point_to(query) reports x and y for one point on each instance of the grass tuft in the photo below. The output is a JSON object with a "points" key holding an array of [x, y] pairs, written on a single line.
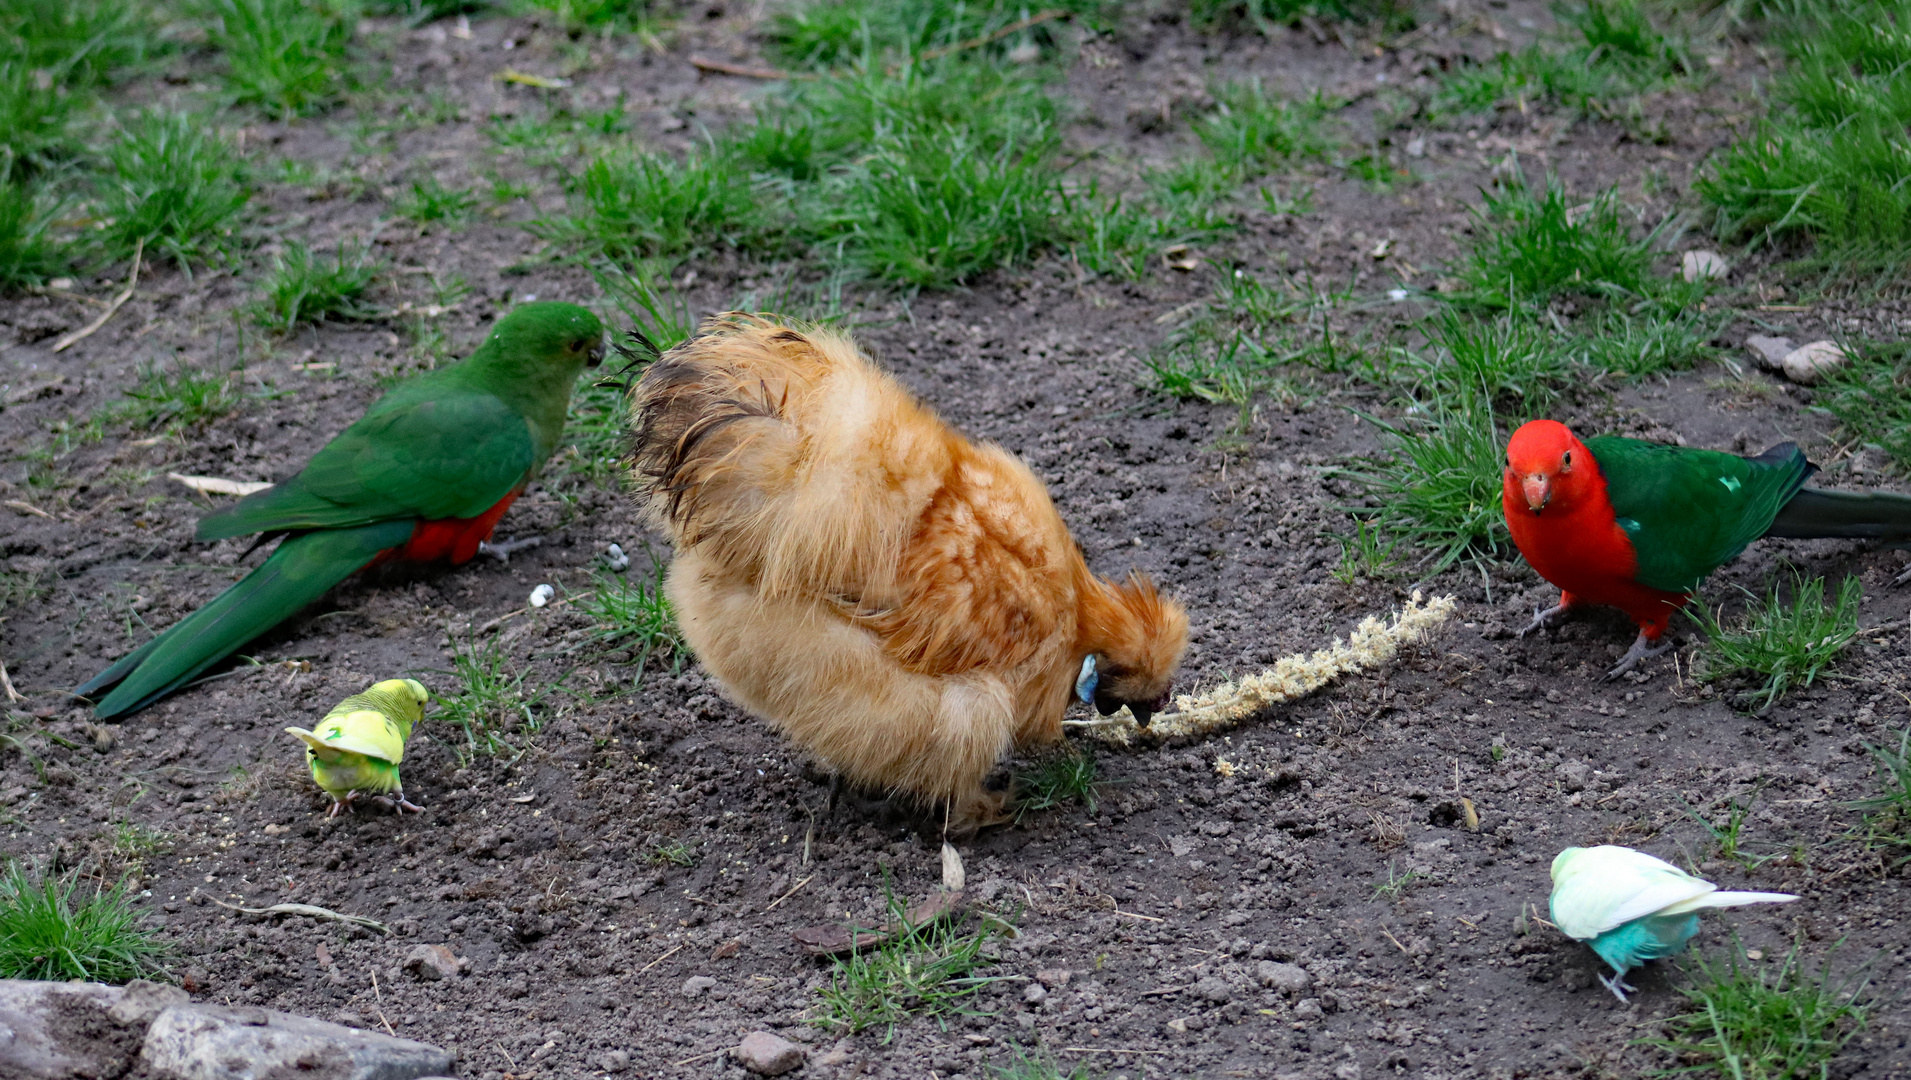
{"points": [[56, 930], [1037, 1064], [1754, 1020], [285, 56], [1251, 133], [632, 613], [1061, 778], [1440, 488], [28, 254], [1780, 646], [929, 970], [307, 288], [1538, 246], [174, 185], [633, 204], [176, 398], [429, 201], [1887, 815], [492, 709], [1871, 397]]}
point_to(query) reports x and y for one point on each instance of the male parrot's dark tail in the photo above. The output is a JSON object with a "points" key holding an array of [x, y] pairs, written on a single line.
{"points": [[1813, 514], [299, 572]]}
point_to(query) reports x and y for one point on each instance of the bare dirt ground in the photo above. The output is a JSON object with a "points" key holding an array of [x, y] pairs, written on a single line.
{"points": [[1201, 860]]}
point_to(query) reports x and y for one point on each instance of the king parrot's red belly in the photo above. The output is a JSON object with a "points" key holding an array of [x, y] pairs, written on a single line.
{"points": [[1590, 558], [456, 539]]}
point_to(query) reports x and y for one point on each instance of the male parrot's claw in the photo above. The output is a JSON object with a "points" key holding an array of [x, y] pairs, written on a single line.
{"points": [[1640, 650], [1902, 579], [1618, 987], [1545, 619], [502, 551]]}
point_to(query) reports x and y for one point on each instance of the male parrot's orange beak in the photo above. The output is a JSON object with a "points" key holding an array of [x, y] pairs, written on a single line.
{"points": [[1538, 489]]}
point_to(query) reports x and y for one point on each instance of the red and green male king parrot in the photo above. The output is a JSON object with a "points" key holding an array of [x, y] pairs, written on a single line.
{"points": [[1638, 525], [425, 474]]}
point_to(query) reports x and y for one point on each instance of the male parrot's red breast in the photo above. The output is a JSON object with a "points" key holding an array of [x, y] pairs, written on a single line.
{"points": [[1569, 533]]}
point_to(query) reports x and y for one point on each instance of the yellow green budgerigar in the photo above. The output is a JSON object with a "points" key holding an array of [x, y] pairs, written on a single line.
{"points": [[356, 750]]}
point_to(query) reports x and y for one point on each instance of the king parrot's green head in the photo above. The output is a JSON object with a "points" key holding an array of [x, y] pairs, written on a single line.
{"points": [[532, 358]]}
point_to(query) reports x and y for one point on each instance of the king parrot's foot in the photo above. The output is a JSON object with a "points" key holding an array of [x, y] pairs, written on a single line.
{"points": [[1617, 985], [1546, 619], [1902, 579], [1642, 649], [502, 550]]}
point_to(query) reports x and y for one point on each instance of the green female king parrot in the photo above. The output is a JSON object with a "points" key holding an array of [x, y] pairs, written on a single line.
{"points": [[425, 474], [1638, 525]]}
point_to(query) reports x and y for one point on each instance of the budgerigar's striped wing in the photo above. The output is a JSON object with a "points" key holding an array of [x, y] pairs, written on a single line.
{"points": [[1597, 889], [1690, 511]]}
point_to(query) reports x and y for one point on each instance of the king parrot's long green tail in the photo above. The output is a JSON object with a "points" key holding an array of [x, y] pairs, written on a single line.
{"points": [[1814, 514], [299, 572]]}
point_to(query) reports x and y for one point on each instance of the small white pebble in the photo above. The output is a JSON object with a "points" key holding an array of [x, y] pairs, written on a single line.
{"points": [[1396, 294], [541, 595], [615, 558]]}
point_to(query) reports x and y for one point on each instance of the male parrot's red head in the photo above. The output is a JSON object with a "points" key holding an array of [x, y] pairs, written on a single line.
{"points": [[1541, 459]]}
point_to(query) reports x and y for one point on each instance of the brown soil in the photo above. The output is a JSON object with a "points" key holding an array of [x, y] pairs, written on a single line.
{"points": [[1162, 901]]}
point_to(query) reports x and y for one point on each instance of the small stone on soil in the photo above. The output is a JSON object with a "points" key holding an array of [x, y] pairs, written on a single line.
{"points": [[767, 1054]]}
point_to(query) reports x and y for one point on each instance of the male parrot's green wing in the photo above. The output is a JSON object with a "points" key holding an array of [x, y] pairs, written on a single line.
{"points": [[426, 451], [1690, 511]]}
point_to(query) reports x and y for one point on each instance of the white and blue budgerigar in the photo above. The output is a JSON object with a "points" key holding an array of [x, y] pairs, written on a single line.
{"points": [[1631, 907]]}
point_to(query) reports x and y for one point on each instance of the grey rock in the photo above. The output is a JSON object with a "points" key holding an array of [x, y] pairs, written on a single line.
{"points": [[432, 963], [1575, 775], [214, 1042], [1805, 364], [1034, 993], [613, 1061], [1309, 1009], [1701, 265], [767, 1054], [1769, 352], [140, 1001], [697, 985], [1213, 990], [1287, 978], [1054, 978], [52, 1031]]}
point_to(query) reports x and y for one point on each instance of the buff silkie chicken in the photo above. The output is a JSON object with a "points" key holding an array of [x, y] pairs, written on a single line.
{"points": [[902, 602]]}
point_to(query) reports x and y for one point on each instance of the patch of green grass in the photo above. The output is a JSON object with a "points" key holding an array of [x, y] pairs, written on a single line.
{"points": [[285, 56], [429, 201], [1061, 778], [1038, 1064], [182, 396], [35, 120], [632, 613], [674, 852], [1363, 555], [937, 208], [20, 587], [1515, 363], [28, 254], [1729, 834], [1235, 347], [928, 970], [1608, 49], [174, 186], [1830, 165], [577, 16], [77, 43], [1439, 487], [1251, 132], [828, 34], [1396, 885], [635, 204], [1534, 247], [1777, 645], [1647, 341], [1871, 397], [303, 287], [494, 712], [419, 12], [1887, 815], [59, 930], [1753, 1020], [1265, 15]]}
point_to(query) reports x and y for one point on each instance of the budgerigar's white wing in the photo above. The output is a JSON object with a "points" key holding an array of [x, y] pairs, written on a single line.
{"points": [[1729, 899], [1596, 889]]}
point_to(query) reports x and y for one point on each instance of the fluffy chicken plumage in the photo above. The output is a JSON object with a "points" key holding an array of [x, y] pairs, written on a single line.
{"points": [[904, 603]]}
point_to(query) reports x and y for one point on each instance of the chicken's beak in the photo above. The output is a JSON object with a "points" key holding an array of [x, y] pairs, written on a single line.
{"points": [[1538, 489]]}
